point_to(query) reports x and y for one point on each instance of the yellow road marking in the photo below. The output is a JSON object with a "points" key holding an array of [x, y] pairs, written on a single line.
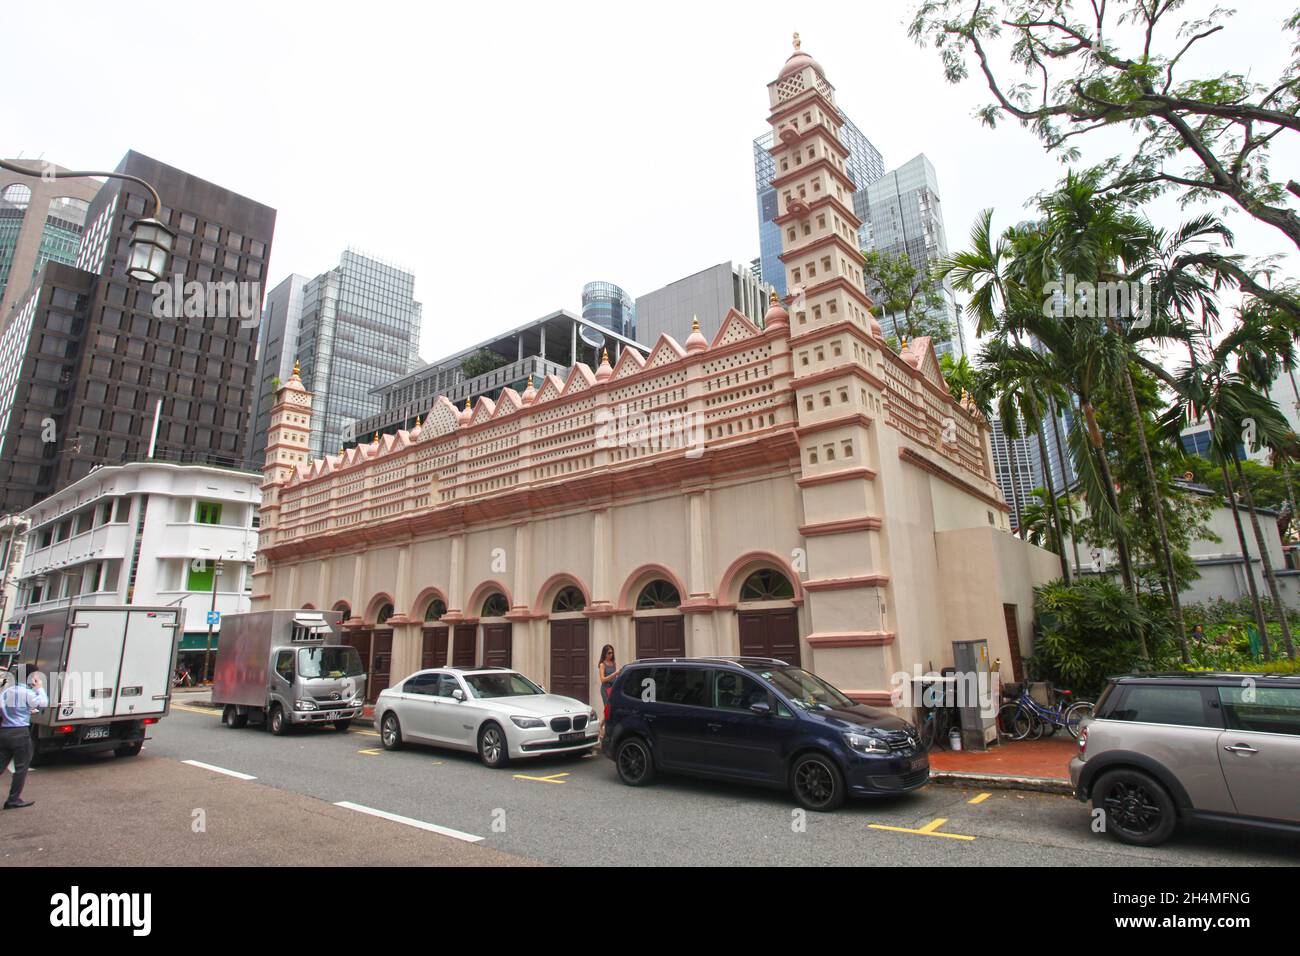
{"points": [[370, 752], [930, 829], [365, 733], [205, 711], [980, 799], [553, 778]]}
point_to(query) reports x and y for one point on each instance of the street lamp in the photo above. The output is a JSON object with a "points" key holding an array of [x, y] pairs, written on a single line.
{"points": [[151, 241]]}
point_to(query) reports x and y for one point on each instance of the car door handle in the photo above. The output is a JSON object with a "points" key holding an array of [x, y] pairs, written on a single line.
{"points": [[715, 726], [1241, 749]]}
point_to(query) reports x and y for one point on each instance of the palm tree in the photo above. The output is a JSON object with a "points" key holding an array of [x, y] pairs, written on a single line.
{"points": [[1098, 239]]}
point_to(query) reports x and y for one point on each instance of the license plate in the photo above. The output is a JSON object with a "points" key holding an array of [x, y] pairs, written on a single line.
{"points": [[572, 738], [334, 715], [918, 763], [95, 733]]}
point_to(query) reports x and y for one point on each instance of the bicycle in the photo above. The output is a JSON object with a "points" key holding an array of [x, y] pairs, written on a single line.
{"points": [[182, 678], [1025, 716], [933, 722]]}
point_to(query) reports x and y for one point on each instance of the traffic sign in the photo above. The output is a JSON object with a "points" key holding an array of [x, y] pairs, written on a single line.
{"points": [[214, 618]]}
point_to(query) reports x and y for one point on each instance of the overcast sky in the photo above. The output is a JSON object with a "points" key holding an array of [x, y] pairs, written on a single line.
{"points": [[508, 153]]}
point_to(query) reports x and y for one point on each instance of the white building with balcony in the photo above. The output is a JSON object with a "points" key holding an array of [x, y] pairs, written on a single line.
{"points": [[148, 533]]}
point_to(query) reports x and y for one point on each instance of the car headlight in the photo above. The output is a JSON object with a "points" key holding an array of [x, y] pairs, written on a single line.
{"points": [[865, 743], [355, 702], [527, 722], [304, 705], [592, 718]]}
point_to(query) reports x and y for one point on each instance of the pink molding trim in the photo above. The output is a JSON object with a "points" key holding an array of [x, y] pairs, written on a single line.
{"points": [[400, 620], [553, 584], [844, 474], [920, 461], [847, 584], [872, 698], [844, 526], [375, 603], [729, 589], [853, 418], [422, 601], [601, 610], [334, 606], [851, 638], [641, 577]]}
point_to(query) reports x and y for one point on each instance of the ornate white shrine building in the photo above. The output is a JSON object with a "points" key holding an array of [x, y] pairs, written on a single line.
{"points": [[796, 490]]}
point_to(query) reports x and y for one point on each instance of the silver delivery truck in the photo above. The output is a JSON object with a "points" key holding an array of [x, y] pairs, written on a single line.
{"points": [[281, 668], [107, 672]]}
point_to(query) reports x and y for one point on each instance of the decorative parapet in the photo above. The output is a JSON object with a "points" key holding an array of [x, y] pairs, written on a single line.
{"points": [[729, 405]]}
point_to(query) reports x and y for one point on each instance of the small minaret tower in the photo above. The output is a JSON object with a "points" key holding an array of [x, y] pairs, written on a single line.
{"points": [[287, 447]]}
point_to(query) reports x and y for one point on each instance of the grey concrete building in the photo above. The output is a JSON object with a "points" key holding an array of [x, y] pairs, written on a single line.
{"points": [[277, 348], [708, 295]]}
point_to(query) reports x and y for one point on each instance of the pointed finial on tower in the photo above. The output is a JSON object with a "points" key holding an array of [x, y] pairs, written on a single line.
{"points": [[773, 298], [417, 421], [297, 368], [695, 324], [530, 381], [375, 440], [796, 40], [604, 356], [467, 404]]}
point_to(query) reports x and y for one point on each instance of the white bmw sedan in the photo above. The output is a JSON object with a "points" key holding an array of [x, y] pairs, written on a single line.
{"points": [[495, 711]]}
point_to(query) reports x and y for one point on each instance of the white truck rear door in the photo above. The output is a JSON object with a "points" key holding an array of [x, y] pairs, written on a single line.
{"points": [[145, 680], [88, 687]]}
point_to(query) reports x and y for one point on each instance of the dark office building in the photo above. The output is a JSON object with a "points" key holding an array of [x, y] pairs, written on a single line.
{"points": [[178, 356]]}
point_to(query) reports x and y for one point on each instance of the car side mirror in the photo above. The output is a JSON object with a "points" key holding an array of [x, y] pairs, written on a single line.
{"points": [[763, 709], [458, 694]]}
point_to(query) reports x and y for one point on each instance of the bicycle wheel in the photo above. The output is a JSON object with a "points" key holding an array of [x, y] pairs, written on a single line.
{"points": [[1014, 722], [925, 730], [1076, 715]]}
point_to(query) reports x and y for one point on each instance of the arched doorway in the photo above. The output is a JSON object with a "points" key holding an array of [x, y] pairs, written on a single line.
{"points": [[768, 619], [497, 636], [660, 628], [375, 646], [433, 644], [570, 645]]}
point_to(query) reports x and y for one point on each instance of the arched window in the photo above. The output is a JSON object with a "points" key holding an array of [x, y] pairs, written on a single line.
{"points": [[17, 194], [495, 605], [658, 594], [766, 585], [385, 613], [568, 600], [435, 610], [342, 608]]}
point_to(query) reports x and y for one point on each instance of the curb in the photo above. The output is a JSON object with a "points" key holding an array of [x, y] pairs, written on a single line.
{"points": [[1002, 782]]}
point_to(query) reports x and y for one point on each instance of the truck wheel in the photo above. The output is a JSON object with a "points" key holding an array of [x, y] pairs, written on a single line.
{"points": [[231, 717], [278, 724], [129, 750], [342, 725]]}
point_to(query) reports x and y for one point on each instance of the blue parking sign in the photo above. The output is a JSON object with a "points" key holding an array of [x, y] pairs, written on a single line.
{"points": [[214, 618]]}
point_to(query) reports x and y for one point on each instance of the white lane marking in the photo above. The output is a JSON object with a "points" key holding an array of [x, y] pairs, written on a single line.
{"points": [[418, 824], [228, 773]]}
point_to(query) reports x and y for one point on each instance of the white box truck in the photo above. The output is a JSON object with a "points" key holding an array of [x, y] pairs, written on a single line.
{"points": [[285, 668], [107, 672]]}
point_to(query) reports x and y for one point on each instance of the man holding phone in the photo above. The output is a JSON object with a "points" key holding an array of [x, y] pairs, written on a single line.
{"points": [[17, 701]]}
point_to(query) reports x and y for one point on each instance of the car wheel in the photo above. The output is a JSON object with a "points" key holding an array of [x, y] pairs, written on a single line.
{"points": [[129, 750], [390, 732], [1138, 810], [231, 717], [492, 747], [278, 724], [817, 783], [636, 765]]}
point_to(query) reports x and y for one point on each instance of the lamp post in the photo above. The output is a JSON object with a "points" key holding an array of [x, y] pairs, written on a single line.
{"points": [[151, 240], [216, 577]]}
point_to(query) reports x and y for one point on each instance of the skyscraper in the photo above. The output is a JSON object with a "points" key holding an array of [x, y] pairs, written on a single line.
{"points": [[607, 304], [352, 329], [41, 220], [100, 369], [864, 166], [708, 295], [903, 215]]}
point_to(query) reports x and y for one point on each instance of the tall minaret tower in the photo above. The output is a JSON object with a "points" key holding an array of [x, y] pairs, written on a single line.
{"points": [[836, 346], [287, 447], [819, 230]]}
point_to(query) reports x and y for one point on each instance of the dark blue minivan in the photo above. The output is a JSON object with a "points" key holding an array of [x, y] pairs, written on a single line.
{"points": [[757, 720]]}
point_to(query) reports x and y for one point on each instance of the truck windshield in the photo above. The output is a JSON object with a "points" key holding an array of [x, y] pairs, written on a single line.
{"points": [[333, 661]]}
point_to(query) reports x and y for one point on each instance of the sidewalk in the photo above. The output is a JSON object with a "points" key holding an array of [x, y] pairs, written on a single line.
{"points": [[1024, 765]]}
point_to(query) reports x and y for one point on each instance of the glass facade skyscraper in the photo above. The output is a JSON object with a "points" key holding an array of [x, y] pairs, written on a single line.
{"points": [[41, 220], [865, 166], [901, 214], [359, 328], [606, 304]]}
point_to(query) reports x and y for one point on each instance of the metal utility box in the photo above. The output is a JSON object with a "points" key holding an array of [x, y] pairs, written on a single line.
{"points": [[976, 698], [242, 672]]}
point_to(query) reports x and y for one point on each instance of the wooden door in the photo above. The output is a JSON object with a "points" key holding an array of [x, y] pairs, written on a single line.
{"points": [[496, 645], [1013, 639], [464, 650], [433, 650], [773, 632], [571, 659], [660, 637]]}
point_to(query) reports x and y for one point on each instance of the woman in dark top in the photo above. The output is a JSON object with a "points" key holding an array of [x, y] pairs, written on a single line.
{"points": [[606, 670]]}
